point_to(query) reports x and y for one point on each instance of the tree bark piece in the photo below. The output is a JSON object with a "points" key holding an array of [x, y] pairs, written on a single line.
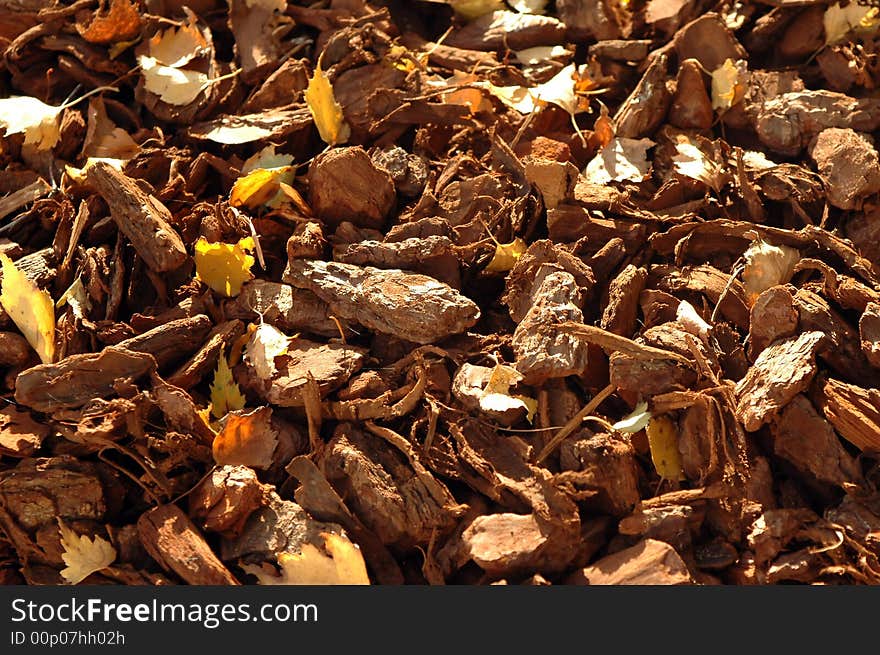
{"points": [[649, 562], [173, 540], [410, 306], [849, 165], [170, 342], [780, 373], [853, 411], [140, 217], [621, 313], [78, 379]]}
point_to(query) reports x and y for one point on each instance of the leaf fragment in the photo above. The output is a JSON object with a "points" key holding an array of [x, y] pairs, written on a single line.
{"points": [[728, 84], [663, 441], [246, 440], [325, 110], [265, 344], [225, 394], [635, 420], [30, 308], [497, 397], [224, 267], [176, 86], [690, 161], [506, 255], [339, 563], [83, 556], [620, 160], [37, 120], [767, 266], [839, 21]]}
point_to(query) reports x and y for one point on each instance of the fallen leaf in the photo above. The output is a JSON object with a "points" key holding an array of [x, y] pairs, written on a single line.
{"points": [[729, 84], [37, 120], [79, 174], [103, 138], [266, 158], [767, 266], [265, 344], [177, 46], [339, 563], [30, 308], [541, 53], [260, 187], [839, 21], [173, 85], [622, 160], [496, 394], [603, 128], [82, 555], [566, 90], [225, 394], [76, 298], [692, 162], [246, 440], [121, 22], [687, 315], [634, 421], [224, 267], [325, 110], [469, 92], [231, 131], [663, 441], [506, 255]]}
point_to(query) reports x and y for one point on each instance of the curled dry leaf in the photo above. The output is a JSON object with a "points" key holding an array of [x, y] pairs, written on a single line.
{"points": [[265, 344], [635, 420], [691, 320], [173, 85], [506, 255], [83, 556], [247, 440], [103, 138], [690, 161], [839, 21], [496, 394], [729, 84], [325, 110], [120, 23], [766, 266], [339, 563], [620, 160], [224, 266], [30, 308]]}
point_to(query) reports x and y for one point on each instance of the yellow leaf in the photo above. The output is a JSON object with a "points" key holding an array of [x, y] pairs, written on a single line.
{"points": [[339, 563], [663, 441], [766, 266], [176, 47], [246, 440], [266, 158], [326, 112], [37, 120], [506, 255], [82, 555], [259, 186], [728, 84], [225, 394], [224, 266], [30, 308]]}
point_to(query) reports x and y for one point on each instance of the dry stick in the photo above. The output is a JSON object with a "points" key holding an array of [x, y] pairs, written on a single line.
{"points": [[575, 421], [610, 342]]}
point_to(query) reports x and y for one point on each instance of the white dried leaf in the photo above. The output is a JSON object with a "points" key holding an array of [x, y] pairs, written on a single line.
{"points": [[693, 163], [528, 6], [621, 160], [266, 343], [541, 53], [173, 85], [266, 158], [839, 21], [82, 555], [635, 420], [691, 320], [767, 266], [37, 120]]}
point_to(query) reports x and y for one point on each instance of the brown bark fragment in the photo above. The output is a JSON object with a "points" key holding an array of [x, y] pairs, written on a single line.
{"points": [[621, 312], [772, 316], [204, 361], [224, 501], [170, 342], [848, 163], [708, 40], [175, 543], [650, 562], [140, 217], [691, 106], [645, 109], [410, 306], [782, 371], [507, 29], [869, 332], [853, 411]]}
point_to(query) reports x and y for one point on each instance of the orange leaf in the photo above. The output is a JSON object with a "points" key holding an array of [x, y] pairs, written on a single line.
{"points": [[247, 439], [122, 22]]}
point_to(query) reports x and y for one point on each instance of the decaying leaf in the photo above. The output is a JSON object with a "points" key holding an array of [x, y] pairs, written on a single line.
{"points": [[566, 90], [528, 6], [246, 439], [839, 21], [83, 556], [120, 23], [621, 160], [663, 440], [687, 315], [766, 266], [36, 120], [496, 394], [728, 84], [176, 86], [225, 394], [265, 344], [261, 187], [30, 308], [266, 158], [177, 46], [506, 255], [635, 420], [692, 162], [224, 267], [339, 563], [325, 110], [103, 138]]}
